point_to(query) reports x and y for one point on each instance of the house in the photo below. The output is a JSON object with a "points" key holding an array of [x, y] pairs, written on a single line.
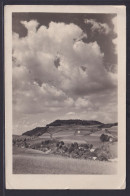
{"points": [[92, 150]]}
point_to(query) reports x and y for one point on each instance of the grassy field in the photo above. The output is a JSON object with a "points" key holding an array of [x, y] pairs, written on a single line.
{"points": [[78, 133], [72, 133], [28, 161]]}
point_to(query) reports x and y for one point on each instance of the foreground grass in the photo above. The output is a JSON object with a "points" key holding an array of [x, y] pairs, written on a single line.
{"points": [[35, 162]]}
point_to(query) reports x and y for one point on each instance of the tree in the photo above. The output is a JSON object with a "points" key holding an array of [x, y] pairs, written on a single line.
{"points": [[75, 145], [14, 141], [104, 138], [62, 143], [90, 146]]}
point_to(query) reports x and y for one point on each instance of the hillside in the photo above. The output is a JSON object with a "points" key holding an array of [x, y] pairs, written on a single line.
{"points": [[74, 122], [72, 138], [72, 125], [38, 131], [108, 125], [59, 127]]}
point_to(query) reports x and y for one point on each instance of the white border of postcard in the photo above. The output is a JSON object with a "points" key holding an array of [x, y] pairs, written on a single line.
{"points": [[16, 181]]}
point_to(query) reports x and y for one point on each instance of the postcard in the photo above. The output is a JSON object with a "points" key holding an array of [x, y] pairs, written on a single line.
{"points": [[65, 94]]}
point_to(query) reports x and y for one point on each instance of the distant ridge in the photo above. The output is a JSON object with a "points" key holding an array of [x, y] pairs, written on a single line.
{"points": [[108, 125], [38, 131], [74, 122]]}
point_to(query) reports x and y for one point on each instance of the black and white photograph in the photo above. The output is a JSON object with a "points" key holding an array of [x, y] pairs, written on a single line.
{"points": [[64, 83]]}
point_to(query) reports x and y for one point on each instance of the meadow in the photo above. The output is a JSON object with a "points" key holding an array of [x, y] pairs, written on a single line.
{"points": [[29, 161], [30, 157]]}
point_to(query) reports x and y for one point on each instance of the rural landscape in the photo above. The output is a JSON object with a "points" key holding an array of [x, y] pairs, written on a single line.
{"points": [[64, 93], [67, 147]]}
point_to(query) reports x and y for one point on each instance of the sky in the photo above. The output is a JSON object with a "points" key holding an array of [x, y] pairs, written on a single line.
{"points": [[64, 67]]}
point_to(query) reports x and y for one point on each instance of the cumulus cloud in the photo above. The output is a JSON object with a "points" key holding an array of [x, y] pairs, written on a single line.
{"points": [[114, 21], [70, 113], [97, 26], [30, 26], [55, 71]]}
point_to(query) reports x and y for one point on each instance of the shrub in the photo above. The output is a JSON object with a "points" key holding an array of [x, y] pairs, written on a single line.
{"points": [[14, 141], [72, 145], [71, 148], [65, 148], [57, 144], [90, 146], [62, 143], [25, 144], [103, 156], [85, 146], [104, 138], [75, 145], [47, 142], [102, 153]]}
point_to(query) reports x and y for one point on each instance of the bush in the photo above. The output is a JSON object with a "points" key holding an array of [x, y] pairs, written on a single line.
{"points": [[57, 144], [85, 146], [62, 143], [90, 146], [47, 142], [65, 148], [14, 141], [103, 157], [75, 145], [104, 138], [102, 153], [71, 149]]}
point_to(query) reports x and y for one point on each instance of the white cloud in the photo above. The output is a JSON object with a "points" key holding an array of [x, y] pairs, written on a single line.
{"points": [[38, 52], [30, 26], [97, 26], [70, 113], [84, 103], [114, 21], [39, 86]]}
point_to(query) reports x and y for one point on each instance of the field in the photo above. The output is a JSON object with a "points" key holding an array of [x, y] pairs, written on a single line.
{"points": [[34, 159], [28, 161], [73, 133]]}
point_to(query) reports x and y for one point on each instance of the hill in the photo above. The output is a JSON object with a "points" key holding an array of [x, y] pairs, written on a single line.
{"points": [[37, 131], [108, 125], [63, 127], [74, 122], [79, 139]]}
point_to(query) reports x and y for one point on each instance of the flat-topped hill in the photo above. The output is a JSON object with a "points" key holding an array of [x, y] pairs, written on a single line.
{"points": [[59, 127], [74, 122]]}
